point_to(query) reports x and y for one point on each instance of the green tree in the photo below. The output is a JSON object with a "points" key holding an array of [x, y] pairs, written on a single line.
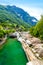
{"points": [[37, 31]]}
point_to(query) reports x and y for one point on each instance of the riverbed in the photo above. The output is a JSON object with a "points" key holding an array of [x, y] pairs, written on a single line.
{"points": [[12, 53]]}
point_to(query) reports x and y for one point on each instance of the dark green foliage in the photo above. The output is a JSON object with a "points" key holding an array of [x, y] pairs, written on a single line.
{"points": [[31, 30], [37, 31]]}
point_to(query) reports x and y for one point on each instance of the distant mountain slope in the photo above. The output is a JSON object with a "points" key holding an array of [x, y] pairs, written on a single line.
{"points": [[22, 14], [11, 17], [16, 15]]}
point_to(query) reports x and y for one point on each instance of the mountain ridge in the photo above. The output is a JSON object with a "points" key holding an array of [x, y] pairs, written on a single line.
{"points": [[23, 14], [16, 15]]}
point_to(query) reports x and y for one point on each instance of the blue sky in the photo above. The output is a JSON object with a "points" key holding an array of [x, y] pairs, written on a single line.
{"points": [[33, 7]]}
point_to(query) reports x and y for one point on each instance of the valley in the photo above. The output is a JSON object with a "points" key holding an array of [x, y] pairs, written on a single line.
{"points": [[21, 37]]}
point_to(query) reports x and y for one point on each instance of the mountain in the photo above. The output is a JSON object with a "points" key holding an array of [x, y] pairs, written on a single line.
{"points": [[22, 14], [11, 17], [16, 15]]}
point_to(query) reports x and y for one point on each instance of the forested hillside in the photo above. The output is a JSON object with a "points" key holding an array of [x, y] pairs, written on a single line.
{"points": [[16, 15], [14, 19]]}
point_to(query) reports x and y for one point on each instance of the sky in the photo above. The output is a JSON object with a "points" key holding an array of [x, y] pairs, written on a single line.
{"points": [[33, 7]]}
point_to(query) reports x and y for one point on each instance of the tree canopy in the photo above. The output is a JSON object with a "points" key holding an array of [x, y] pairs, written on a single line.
{"points": [[37, 30]]}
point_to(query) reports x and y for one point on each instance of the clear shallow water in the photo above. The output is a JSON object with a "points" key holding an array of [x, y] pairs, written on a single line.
{"points": [[12, 53]]}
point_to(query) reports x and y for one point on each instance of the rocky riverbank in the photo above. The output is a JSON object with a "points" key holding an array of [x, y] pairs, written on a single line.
{"points": [[30, 51]]}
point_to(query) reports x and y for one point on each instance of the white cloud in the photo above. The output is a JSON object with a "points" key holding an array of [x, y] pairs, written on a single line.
{"points": [[36, 12]]}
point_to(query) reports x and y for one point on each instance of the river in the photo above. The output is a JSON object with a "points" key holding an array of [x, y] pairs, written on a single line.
{"points": [[12, 53]]}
